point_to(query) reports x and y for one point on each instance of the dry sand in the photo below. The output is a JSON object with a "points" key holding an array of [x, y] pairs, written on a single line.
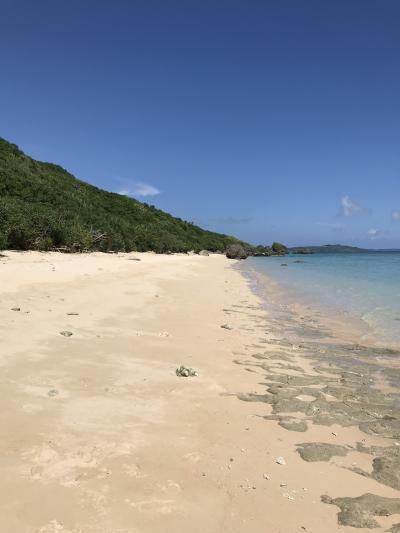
{"points": [[99, 435]]}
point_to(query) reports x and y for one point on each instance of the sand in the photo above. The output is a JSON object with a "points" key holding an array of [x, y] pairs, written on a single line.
{"points": [[99, 435]]}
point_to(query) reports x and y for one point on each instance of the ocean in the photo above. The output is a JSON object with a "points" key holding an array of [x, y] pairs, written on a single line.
{"points": [[363, 286]]}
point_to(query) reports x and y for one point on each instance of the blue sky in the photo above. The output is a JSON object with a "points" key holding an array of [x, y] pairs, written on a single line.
{"points": [[267, 120]]}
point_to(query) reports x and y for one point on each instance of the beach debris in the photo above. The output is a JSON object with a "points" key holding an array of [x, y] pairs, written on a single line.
{"points": [[288, 496], [15, 309], [184, 372], [52, 393], [226, 326], [73, 314], [280, 461], [204, 252], [266, 476], [134, 259], [66, 333]]}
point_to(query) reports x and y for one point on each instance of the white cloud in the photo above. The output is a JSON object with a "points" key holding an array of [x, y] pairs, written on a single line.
{"points": [[395, 215], [141, 189], [348, 208], [374, 233], [145, 189]]}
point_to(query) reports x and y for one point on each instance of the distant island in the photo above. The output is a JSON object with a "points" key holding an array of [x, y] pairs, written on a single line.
{"points": [[44, 207], [327, 249]]}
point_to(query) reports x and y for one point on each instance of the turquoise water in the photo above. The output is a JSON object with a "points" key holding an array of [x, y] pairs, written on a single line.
{"points": [[367, 285]]}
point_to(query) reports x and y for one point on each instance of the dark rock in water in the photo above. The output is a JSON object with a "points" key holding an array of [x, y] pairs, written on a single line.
{"points": [[284, 265], [320, 451], [359, 512], [236, 251], [385, 466], [184, 372], [204, 252], [386, 427], [298, 261], [292, 424], [15, 309], [226, 326], [66, 333]]}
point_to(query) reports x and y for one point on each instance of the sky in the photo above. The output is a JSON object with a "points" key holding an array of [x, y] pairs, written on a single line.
{"points": [[268, 120]]}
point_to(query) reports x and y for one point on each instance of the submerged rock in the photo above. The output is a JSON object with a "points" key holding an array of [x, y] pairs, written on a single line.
{"points": [[359, 512], [320, 451]]}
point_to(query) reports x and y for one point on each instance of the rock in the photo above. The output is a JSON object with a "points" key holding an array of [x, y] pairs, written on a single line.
{"points": [[359, 512], [236, 251], [284, 265], [184, 372], [204, 252], [280, 461], [66, 333], [226, 326], [134, 259], [15, 309], [52, 393], [321, 451], [73, 314], [266, 476]]}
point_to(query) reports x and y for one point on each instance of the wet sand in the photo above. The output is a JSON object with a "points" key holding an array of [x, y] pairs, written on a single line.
{"points": [[285, 428]]}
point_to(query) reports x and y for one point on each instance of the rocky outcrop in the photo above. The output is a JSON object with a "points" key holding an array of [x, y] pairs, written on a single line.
{"points": [[236, 251]]}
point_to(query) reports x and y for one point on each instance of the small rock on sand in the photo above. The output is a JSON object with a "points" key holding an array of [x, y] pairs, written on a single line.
{"points": [[73, 314], [280, 461], [15, 309], [184, 372], [226, 326], [52, 393], [66, 333]]}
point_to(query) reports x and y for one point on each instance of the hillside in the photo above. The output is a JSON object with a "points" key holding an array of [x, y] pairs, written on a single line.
{"points": [[326, 249], [44, 207]]}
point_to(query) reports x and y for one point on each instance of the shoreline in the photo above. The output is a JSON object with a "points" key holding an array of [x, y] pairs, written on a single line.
{"points": [[345, 324], [99, 435]]}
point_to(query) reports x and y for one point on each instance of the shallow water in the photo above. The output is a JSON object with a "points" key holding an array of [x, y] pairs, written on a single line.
{"points": [[365, 286]]}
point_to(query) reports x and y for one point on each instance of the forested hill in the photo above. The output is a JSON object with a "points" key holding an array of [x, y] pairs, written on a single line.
{"points": [[327, 248], [43, 207]]}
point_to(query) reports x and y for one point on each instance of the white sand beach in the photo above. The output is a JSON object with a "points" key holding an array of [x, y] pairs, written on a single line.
{"points": [[99, 435]]}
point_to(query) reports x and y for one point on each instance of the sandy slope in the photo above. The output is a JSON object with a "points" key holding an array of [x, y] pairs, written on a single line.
{"points": [[98, 434]]}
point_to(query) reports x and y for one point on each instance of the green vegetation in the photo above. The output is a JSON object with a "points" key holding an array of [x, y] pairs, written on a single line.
{"points": [[44, 207]]}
